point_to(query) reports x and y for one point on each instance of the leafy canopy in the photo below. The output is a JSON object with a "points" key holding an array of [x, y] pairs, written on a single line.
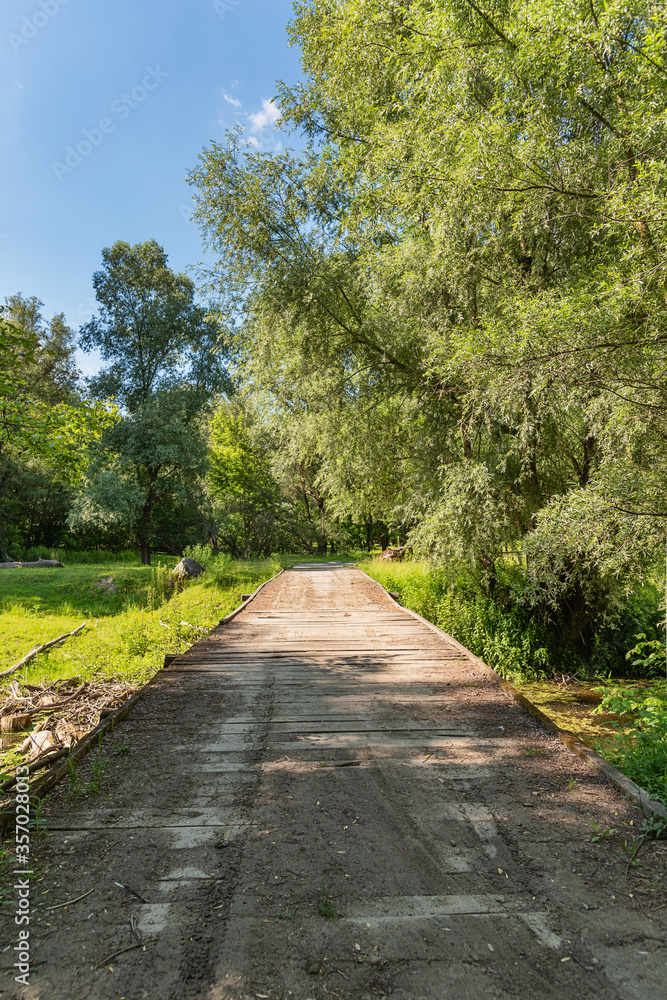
{"points": [[165, 367]]}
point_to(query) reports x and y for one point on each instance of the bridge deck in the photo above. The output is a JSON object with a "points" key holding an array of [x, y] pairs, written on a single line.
{"points": [[326, 799]]}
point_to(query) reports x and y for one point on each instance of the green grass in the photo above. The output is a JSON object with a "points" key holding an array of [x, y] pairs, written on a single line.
{"points": [[75, 557], [326, 906], [129, 631]]}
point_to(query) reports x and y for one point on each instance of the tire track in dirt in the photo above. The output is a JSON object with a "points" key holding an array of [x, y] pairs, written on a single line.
{"points": [[200, 951]]}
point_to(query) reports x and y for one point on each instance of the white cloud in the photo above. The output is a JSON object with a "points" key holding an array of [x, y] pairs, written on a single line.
{"points": [[265, 118], [253, 141], [235, 103]]}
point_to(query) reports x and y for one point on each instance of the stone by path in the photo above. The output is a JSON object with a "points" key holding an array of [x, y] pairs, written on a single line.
{"points": [[323, 799]]}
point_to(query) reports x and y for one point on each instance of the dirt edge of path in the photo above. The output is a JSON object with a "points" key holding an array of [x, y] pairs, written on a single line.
{"points": [[650, 807]]}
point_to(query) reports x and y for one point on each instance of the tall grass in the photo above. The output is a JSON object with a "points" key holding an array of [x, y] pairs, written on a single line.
{"points": [[505, 634]]}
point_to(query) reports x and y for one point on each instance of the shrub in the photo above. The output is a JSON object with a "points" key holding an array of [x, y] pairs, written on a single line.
{"points": [[640, 751], [509, 636]]}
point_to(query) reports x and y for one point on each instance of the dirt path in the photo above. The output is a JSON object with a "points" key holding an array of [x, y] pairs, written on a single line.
{"points": [[325, 799]]}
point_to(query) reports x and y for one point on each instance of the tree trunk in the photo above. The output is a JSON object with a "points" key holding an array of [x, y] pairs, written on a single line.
{"points": [[488, 573], [322, 541], [144, 525], [577, 614]]}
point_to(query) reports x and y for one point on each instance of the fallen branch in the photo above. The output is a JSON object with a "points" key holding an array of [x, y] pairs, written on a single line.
{"points": [[38, 763], [53, 753], [133, 947], [41, 649], [135, 933], [66, 701], [40, 564], [135, 893], [70, 902]]}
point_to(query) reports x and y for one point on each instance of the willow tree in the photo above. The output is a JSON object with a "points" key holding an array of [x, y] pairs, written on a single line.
{"points": [[477, 234]]}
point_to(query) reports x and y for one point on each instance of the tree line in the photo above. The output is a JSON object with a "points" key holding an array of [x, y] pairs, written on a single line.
{"points": [[156, 451], [444, 321]]}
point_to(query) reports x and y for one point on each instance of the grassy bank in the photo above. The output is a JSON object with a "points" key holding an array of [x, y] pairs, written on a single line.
{"points": [[133, 615]]}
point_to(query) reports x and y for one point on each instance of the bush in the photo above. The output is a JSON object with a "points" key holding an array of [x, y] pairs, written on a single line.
{"points": [[508, 635], [161, 587], [640, 751], [639, 615]]}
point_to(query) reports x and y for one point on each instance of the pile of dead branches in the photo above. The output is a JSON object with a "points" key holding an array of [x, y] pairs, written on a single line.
{"points": [[61, 712]]}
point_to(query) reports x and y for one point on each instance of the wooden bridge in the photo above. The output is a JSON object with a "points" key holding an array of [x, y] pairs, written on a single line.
{"points": [[325, 798]]}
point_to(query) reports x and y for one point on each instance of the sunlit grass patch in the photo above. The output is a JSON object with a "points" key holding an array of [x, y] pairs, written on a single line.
{"points": [[129, 631]]}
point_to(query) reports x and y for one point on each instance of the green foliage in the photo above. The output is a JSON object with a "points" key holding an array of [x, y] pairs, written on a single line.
{"points": [[645, 706], [648, 656], [76, 787], [45, 428], [638, 613], [164, 367], [457, 294], [161, 587], [247, 498], [265, 484], [640, 750], [42, 417], [220, 566], [600, 833], [326, 906], [150, 330]]}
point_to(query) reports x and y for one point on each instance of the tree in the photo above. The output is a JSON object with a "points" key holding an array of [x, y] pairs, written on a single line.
{"points": [[165, 366], [45, 427], [474, 248], [247, 498]]}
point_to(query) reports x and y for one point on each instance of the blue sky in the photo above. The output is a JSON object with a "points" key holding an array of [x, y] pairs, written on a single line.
{"points": [[105, 107]]}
